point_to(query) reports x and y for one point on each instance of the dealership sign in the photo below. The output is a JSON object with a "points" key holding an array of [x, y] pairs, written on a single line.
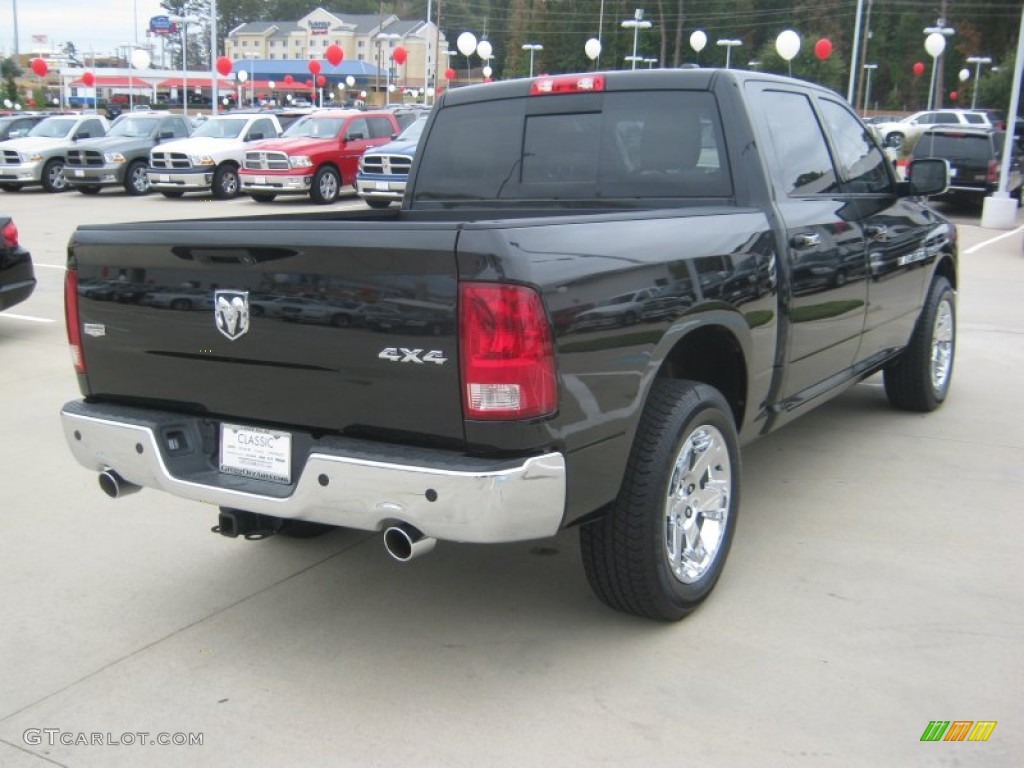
{"points": [[162, 25]]}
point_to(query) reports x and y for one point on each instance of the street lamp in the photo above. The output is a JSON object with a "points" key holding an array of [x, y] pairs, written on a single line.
{"points": [[184, 21], [977, 61], [729, 45], [382, 37], [935, 44], [636, 24], [532, 48], [650, 63], [867, 86]]}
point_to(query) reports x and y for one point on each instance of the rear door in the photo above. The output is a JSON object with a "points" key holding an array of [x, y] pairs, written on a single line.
{"points": [[824, 241]]}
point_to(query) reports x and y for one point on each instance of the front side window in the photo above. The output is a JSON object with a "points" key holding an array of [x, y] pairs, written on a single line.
{"points": [[54, 127], [861, 163], [802, 164]]}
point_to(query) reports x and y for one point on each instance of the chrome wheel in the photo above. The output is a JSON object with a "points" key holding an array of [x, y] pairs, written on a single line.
{"points": [[138, 180], [697, 504], [942, 345], [328, 186]]}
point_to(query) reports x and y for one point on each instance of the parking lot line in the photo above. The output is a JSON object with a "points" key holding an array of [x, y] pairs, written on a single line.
{"points": [[996, 239], [27, 318], [50, 266]]}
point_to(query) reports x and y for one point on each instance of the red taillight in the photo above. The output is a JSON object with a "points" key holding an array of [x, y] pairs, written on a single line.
{"points": [[507, 358], [566, 84], [993, 172], [10, 235], [71, 319]]}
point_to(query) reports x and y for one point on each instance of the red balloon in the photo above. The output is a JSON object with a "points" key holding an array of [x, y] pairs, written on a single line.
{"points": [[823, 48], [953, 95], [334, 55], [39, 67], [449, 74], [89, 79], [224, 66], [309, 83], [918, 69], [314, 67], [288, 79], [321, 80], [399, 55]]}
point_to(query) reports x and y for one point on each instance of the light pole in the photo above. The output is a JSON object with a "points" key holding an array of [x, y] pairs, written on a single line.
{"points": [[977, 61], [251, 55], [636, 24], [867, 86], [935, 44], [184, 20], [729, 45], [650, 63], [532, 48], [389, 38]]}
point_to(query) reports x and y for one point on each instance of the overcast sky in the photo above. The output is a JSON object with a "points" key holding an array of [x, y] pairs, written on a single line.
{"points": [[99, 25]]}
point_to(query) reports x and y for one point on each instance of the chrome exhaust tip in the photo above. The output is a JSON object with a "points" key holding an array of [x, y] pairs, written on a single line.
{"points": [[404, 542], [116, 486]]}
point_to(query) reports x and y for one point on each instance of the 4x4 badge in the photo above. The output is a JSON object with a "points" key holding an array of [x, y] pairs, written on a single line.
{"points": [[231, 312]]}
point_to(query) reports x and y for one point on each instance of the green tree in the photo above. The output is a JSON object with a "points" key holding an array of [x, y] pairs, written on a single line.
{"points": [[9, 71]]}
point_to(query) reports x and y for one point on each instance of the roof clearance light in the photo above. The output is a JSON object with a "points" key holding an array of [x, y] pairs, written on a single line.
{"points": [[567, 84]]}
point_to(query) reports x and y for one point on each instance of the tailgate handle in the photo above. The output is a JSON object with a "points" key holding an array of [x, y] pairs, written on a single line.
{"points": [[805, 240]]}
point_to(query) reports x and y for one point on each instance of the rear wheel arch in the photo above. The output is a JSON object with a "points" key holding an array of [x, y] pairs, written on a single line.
{"points": [[712, 355]]}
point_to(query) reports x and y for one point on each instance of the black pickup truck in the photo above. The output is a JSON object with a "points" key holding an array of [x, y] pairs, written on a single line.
{"points": [[597, 288]]}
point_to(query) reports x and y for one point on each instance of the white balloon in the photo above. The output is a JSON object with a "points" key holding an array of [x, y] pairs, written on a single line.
{"points": [[242, 75], [392, 88], [698, 40], [466, 43], [487, 71], [484, 49], [271, 84], [8, 103], [430, 91], [935, 44], [965, 74], [140, 58], [592, 48], [362, 94], [788, 44], [350, 81]]}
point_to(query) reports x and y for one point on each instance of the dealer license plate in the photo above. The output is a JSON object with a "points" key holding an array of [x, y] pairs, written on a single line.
{"points": [[164, 176], [383, 186], [264, 454], [259, 180], [79, 173]]}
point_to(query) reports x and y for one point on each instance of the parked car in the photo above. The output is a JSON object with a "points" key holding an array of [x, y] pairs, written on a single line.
{"points": [[16, 126], [17, 278], [38, 158], [894, 134], [975, 160], [317, 156], [384, 170], [121, 157], [209, 159]]}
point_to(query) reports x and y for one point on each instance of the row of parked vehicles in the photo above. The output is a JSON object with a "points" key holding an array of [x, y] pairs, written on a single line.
{"points": [[262, 154]]}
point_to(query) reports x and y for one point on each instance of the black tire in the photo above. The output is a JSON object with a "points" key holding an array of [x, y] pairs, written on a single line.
{"points": [[263, 197], [626, 552], [172, 194], [90, 189], [53, 176], [326, 186], [629, 318], [182, 305], [376, 202], [136, 182], [225, 182], [10, 187], [919, 379], [341, 320]]}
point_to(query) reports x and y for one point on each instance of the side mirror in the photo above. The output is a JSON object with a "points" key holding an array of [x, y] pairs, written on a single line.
{"points": [[354, 137], [164, 135], [928, 176], [255, 136]]}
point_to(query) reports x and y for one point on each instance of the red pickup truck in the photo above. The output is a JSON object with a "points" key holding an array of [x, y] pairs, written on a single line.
{"points": [[316, 156]]}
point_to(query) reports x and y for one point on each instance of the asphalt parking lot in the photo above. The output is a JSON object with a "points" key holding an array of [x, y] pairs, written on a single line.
{"points": [[874, 586]]}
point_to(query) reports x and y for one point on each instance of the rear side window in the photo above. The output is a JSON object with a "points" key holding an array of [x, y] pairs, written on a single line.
{"points": [[974, 118], [802, 163], [612, 145], [381, 128], [954, 146]]}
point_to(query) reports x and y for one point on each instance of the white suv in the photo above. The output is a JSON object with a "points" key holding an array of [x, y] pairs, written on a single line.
{"points": [[894, 134], [209, 159]]}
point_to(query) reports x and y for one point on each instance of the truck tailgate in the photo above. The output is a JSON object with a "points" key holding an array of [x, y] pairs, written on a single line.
{"points": [[333, 326]]}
